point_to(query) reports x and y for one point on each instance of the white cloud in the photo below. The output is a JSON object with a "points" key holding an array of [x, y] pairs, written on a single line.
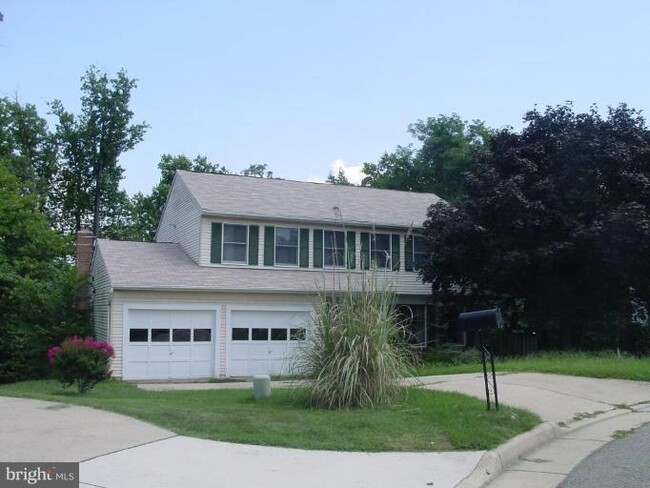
{"points": [[352, 173]]}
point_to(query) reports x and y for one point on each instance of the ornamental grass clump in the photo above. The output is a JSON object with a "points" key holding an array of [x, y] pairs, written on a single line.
{"points": [[84, 362], [357, 352]]}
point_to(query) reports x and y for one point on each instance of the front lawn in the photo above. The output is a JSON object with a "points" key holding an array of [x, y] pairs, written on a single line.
{"points": [[424, 421], [599, 365]]}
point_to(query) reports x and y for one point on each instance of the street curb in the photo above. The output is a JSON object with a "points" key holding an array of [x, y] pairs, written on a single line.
{"points": [[495, 462]]}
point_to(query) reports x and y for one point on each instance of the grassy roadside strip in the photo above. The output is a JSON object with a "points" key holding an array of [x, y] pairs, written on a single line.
{"points": [[423, 421], [601, 365]]}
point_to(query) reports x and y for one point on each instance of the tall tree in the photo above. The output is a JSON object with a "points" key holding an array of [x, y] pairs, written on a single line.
{"points": [[90, 146], [557, 219], [27, 149], [439, 165]]}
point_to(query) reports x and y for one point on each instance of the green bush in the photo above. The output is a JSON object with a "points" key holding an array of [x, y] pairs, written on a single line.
{"points": [[82, 362], [357, 351]]}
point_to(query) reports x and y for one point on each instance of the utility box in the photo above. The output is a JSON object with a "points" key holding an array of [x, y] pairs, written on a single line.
{"points": [[261, 386], [472, 325]]}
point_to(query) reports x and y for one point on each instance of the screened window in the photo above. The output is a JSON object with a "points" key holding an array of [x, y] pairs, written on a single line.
{"points": [[334, 249], [420, 252], [235, 238], [380, 250], [286, 246]]}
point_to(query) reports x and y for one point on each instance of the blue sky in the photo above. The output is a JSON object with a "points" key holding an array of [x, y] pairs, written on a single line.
{"points": [[303, 85]]}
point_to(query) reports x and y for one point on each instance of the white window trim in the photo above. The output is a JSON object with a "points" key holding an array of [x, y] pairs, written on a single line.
{"points": [[275, 248], [223, 242]]}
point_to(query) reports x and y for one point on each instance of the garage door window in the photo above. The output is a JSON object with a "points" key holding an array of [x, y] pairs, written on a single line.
{"points": [[298, 334], [264, 334], [202, 335], [159, 335], [260, 334], [239, 334], [139, 335], [182, 335], [278, 334]]}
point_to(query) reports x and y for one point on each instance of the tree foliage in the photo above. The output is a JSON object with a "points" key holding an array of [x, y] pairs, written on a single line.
{"points": [[27, 149], [339, 179], [90, 145], [449, 146], [37, 285], [556, 225]]}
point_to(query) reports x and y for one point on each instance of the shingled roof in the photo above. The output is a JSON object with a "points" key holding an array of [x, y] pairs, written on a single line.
{"points": [[242, 196], [166, 266]]}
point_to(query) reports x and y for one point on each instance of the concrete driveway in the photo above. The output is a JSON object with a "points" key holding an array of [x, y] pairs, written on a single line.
{"points": [[116, 451], [120, 452]]}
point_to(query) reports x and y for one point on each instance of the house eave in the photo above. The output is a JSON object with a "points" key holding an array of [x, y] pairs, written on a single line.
{"points": [[310, 222]]}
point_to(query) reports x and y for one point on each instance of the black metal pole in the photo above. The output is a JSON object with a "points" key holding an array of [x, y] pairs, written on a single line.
{"points": [[485, 377], [494, 382]]}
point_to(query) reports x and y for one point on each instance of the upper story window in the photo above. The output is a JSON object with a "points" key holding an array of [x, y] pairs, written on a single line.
{"points": [[420, 252], [286, 246], [334, 249], [235, 241], [380, 250]]}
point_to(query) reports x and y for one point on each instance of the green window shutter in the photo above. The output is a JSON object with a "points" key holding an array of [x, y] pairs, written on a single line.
{"points": [[253, 244], [304, 248], [215, 243], [318, 248], [365, 250], [352, 249], [269, 245], [395, 252], [408, 253]]}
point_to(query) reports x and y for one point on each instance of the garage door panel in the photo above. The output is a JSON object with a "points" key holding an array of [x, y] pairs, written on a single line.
{"points": [[159, 352], [202, 352], [270, 356], [182, 352]]}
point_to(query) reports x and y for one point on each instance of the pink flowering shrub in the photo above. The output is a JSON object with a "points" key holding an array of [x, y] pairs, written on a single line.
{"points": [[83, 362]]}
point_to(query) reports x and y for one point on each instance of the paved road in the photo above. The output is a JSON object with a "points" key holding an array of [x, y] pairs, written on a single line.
{"points": [[623, 463]]}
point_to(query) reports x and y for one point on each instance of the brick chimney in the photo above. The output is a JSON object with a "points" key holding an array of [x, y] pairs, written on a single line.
{"points": [[84, 257]]}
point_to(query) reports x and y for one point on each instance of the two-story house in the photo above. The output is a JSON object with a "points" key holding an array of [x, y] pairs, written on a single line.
{"points": [[228, 286]]}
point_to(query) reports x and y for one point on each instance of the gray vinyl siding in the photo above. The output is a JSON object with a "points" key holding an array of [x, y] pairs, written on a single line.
{"points": [[181, 220], [101, 299]]}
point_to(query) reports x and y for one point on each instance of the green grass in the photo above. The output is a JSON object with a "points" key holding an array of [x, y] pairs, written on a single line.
{"points": [[424, 421], [602, 365]]}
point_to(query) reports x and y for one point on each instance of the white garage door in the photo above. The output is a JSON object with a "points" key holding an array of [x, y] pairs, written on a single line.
{"points": [[264, 341], [169, 344]]}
